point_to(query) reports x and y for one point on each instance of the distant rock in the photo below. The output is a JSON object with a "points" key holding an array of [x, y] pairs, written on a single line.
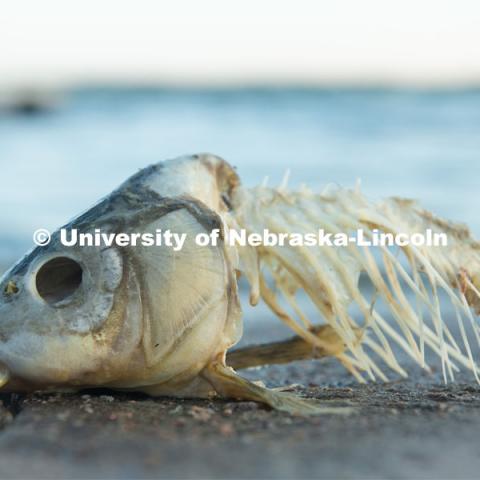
{"points": [[28, 103]]}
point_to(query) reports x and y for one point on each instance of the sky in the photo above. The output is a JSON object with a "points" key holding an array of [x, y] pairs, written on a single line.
{"points": [[191, 42]]}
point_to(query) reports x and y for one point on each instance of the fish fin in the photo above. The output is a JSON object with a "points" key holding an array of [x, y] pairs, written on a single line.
{"points": [[231, 385], [289, 350]]}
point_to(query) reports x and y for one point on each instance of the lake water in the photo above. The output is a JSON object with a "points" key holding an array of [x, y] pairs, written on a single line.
{"points": [[418, 144]]}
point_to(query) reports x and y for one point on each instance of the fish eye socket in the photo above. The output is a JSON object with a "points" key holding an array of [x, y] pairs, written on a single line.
{"points": [[58, 279]]}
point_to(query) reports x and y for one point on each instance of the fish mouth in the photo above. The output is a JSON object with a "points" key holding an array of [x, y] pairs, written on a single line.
{"points": [[4, 375]]}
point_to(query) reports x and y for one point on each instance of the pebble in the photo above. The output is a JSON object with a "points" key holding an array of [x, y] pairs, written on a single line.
{"points": [[63, 416], [176, 411], [226, 429], [107, 398], [200, 413], [5, 417]]}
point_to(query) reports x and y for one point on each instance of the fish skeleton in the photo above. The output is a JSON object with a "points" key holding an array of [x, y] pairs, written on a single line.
{"points": [[162, 320]]}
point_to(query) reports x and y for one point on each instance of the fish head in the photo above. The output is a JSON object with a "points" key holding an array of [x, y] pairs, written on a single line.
{"points": [[62, 311], [125, 317]]}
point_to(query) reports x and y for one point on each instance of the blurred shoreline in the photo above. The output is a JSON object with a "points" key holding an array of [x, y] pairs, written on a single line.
{"points": [[32, 100], [62, 150]]}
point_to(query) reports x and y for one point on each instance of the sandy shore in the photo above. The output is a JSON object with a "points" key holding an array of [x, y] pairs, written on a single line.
{"points": [[411, 428], [417, 428]]}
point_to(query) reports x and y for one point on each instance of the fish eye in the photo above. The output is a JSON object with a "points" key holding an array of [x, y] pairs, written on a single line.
{"points": [[58, 279]]}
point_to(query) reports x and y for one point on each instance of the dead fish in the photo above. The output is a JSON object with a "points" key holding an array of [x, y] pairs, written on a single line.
{"points": [[161, 321]]}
